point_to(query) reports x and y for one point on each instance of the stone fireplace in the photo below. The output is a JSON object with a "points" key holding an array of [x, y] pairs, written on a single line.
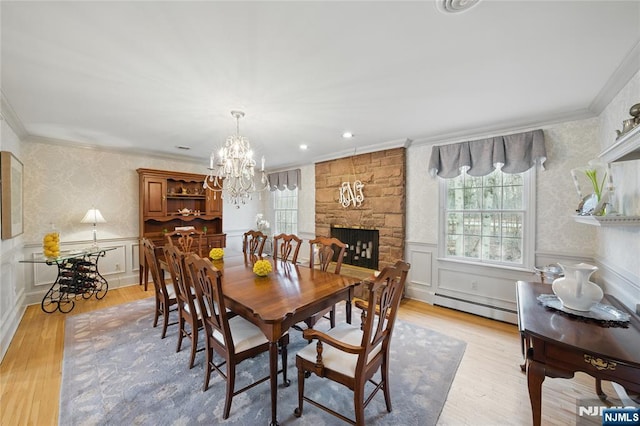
{"points": [[383, 209]]}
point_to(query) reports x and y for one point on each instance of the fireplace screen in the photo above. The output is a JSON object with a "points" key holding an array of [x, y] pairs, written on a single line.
{"points": [[362, 246]]}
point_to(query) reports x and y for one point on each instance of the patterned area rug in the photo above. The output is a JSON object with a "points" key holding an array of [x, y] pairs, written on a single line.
{"points": [[117, 370]]}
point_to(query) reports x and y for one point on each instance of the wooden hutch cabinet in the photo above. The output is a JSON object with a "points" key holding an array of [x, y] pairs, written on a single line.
{"points": [[173, 199]]}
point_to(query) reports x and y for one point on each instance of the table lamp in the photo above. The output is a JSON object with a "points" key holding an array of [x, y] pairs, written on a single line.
{"points": [[93, 216]]}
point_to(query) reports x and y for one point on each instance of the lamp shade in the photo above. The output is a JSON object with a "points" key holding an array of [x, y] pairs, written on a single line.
{"points": [[93, 216]]}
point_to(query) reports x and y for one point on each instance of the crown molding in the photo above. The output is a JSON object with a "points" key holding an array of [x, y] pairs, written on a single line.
{"points": [[12, 119], [504, 128], [620, 77], [399, 143], [126, 151]]}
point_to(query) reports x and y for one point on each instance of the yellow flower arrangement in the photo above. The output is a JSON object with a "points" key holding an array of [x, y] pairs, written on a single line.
{"points": [[262, 268], [216, 253]]}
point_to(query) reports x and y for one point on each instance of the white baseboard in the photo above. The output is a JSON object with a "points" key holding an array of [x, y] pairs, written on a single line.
{"points": [[477, 309]]}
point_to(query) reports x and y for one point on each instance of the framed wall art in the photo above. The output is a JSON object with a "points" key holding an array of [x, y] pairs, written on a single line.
{"points": [[11, 175]]}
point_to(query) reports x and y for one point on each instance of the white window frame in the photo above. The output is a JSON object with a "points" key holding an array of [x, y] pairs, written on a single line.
{"points": [[528, 236], [275, 195]]}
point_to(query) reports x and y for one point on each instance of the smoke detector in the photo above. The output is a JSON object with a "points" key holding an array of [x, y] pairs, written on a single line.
{"points": [[455, 6]]}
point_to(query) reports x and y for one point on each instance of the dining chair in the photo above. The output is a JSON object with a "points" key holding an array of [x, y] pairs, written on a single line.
{"points": [[284, 245], [325, 248], [189, 311], [165, 294], [191, 241], [253, 242], [234, 339], [351, 355]]}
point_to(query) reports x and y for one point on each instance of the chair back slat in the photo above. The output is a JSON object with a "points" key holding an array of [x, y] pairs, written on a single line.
{"points": [[151, 255], [187, 241], [208, 287], [253, 242], [385, 292], [284, 245], [325, 249], [185, 293]]}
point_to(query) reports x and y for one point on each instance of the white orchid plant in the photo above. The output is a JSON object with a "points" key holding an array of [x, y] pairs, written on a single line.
{"points": [[262, 223]]}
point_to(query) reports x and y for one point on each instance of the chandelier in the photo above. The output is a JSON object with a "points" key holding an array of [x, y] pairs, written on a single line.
{"points": [[235, 166]]}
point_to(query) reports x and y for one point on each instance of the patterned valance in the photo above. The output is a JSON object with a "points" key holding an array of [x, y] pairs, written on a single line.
{"points": [[511, 154], [289, 179]]}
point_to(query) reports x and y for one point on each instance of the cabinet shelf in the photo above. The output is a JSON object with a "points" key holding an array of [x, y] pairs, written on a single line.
{"points": [[608, 220], [186, 197], [626, 148]]}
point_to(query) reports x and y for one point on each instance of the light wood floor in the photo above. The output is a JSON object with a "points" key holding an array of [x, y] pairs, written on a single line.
{"points": [[489, 388]]}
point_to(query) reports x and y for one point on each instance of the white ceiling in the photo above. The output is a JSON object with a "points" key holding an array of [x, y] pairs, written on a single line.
{"points": [[149, 76]]}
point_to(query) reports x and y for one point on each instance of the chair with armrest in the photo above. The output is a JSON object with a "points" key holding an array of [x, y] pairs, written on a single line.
{"points": [[325, 248], [234, 339], [253, 242], [285, 245], [351, 355], [165, 294], [189, 311], [191, 241]]}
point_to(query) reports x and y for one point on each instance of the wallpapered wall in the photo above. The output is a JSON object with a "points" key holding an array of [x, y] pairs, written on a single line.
{"points": [[568, 145], [62, 183], [619, 246]]}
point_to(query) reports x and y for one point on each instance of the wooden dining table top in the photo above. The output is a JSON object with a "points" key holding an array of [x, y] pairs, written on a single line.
{"points": [[288, 294]]}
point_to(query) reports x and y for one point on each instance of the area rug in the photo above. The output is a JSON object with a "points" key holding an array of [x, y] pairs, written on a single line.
{"points": [[118, 371]]}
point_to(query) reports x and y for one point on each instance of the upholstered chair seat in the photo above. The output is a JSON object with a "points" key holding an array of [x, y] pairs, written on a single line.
{"points": [[336, 359]]}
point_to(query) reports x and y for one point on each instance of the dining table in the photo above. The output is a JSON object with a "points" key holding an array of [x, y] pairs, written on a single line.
{"points": [[289, 294]]}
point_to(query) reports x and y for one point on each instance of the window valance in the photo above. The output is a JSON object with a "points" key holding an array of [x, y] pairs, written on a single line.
{"points": [[289, 179], [511, 154]]}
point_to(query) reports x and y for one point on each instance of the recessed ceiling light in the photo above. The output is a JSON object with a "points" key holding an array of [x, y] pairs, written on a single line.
{"points": [[303, 147], [347, 135], [186, 148]]}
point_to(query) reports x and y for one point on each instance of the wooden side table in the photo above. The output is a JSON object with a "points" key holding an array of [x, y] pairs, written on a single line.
{"points": [[558, 345]]}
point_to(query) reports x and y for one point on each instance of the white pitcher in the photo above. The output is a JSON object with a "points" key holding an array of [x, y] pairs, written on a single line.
{"points": [[574, 290]]}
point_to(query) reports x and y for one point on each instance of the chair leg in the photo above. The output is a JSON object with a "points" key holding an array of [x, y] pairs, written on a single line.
{"points": [[181, 332], [194, 344], [283, 354], [231, 382], [358, 403], [157, 315], [301, 375], [384, 371], [207, 369], [165, 317], [332, 316]]}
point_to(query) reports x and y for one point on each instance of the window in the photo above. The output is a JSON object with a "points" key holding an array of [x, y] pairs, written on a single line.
{"points": [[285, 206], [487, 219]]}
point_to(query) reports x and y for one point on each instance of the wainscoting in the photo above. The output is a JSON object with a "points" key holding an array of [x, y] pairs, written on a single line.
{"points": [[486, 291]]}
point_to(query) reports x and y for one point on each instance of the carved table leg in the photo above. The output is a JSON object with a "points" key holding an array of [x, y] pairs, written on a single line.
{"points": [[535, 377], [599, 391]]}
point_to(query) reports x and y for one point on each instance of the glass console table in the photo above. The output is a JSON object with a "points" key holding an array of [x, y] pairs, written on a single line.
{"points": [[78, 276]]}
